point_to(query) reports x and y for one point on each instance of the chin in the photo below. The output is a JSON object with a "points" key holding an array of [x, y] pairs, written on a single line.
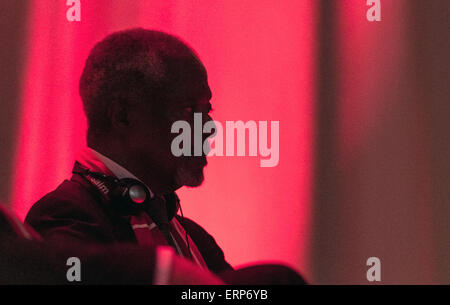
{"points": [[193, 182], [189, 176]]}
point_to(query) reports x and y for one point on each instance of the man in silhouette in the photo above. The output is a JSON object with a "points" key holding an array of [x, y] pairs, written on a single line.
{"points": [[135, 84]]}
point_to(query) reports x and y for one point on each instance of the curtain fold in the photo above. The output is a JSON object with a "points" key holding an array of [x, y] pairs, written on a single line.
{"points": [[260, 61], [362, 107], [380, 190]]}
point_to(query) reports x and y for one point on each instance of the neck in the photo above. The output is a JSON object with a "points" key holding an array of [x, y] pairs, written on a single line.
{"points": [[150, 174]]}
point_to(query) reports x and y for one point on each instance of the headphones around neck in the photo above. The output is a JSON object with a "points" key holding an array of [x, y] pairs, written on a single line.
{"points": [[127, 196]]}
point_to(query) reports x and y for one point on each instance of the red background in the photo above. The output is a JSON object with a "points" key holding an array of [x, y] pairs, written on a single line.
{"points": [[259, 58], [364, 160]]}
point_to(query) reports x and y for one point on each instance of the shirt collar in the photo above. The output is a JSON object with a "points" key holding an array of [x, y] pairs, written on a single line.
{"points": [[93, 158]]}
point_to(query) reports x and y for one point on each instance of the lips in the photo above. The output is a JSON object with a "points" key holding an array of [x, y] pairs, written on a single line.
{"points": [[201, 160], [197, 160]]}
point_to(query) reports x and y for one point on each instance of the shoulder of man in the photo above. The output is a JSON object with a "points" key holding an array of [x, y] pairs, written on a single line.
{"points": [[207, 245], [73, 211]]}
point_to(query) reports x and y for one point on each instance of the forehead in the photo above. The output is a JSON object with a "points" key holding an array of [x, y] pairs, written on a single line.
{"points": [[186, 80], [191, 88], [194, 95]]}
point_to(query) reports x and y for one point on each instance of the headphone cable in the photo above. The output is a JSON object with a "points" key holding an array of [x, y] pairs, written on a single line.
{"points": [[185, 230]]}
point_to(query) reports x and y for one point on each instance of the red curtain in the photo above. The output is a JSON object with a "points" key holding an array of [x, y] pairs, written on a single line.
{"points": [[363, 113], [260, 61], [381, 186]]}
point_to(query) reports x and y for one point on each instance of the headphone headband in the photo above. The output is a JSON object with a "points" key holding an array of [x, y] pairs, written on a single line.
{"points": [[127, 195]]}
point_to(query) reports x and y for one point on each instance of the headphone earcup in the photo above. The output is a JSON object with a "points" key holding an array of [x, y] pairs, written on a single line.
{"points": [[129, 195]]}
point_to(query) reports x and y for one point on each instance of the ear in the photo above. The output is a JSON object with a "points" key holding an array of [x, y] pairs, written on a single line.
{"points": [[118, 115]]}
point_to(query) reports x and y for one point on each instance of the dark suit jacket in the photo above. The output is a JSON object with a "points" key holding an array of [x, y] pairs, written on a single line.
{"points": [[26, 259], [74, 213]]}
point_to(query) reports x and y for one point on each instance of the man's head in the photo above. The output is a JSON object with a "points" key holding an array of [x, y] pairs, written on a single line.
{"points": [[134, 85]]}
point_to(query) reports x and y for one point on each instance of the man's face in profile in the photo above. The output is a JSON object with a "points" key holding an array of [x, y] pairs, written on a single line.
{"points": [[152, 137]]}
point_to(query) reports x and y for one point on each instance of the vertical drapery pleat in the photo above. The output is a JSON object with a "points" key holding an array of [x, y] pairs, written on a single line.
{"points": [[363, 109], [380, 187], [260, 61]]}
